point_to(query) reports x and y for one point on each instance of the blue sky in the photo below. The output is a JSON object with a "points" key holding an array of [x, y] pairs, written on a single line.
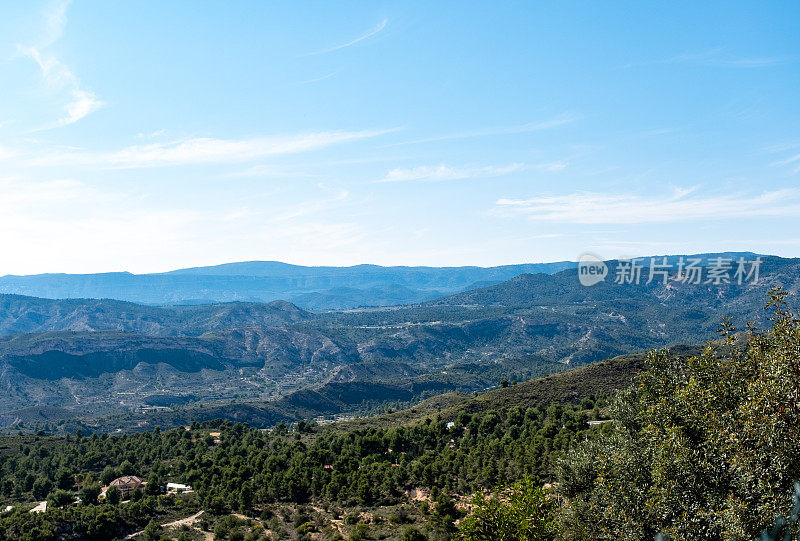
{"points": [[148, 136]]}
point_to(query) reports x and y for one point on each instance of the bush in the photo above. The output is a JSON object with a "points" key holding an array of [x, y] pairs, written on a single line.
{"points": [[399, 516], [60, 498], [410, 533], [702, 447], [522, 512], [359, 533], [152, 532]]}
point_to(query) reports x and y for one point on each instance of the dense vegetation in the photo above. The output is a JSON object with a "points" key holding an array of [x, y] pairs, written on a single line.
{"points": [[702, 447], [704, 444], [247, 470]]}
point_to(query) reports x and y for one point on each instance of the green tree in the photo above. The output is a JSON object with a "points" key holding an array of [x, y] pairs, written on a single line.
{"points": [[113, 495], [221, 530], [41, 488], [359, 533], [246, 497], [701, 446], [153, 486], [60, 498], [64, 479], [89, 493], [445, 514], [410, 533], [152, 532], [126, 468], [108, 475], [522, 512]]}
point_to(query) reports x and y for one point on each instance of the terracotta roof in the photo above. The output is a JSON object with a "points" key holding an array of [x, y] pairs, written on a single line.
{"points": [[126, 481]]}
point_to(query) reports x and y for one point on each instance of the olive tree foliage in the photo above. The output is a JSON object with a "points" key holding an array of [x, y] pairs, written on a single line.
{"points": [[522, 512], [706, 447]]}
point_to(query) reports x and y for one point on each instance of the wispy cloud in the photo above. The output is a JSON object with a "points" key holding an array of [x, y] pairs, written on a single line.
{"points": [[267, 171], [238, 214], [56, 75], [82, 228], [794, 161], [503, 130], [682, 205], [445, 172], [310, 208], [66, 225], [551, 166], [378, 28], [26, 194], [6, 153], [205, 150], [782, 146], [316, 79], [719, 57], [151, 135], [786, 146]]}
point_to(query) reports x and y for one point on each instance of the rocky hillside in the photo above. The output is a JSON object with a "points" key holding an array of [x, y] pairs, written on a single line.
{"points": [[101, 356], [264, 281]]}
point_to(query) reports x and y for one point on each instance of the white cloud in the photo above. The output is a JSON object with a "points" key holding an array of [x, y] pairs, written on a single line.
{"points": [[238, 214], [14, 192], [151, 135], [682, 206], [445, 172], [312, 207], [434, 173], [6, 153], [782, 146], [56, 74], [84, 102], [204, 150], [67, 222], [552, 166], [55, 19], [316, 79], [380, 26], [267, 171], [788, 161], [554, 122], [721, 58], [70, 226]]}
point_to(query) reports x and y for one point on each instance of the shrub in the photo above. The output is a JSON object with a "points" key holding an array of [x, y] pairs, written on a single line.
{"points": [[702, 447], [521, 512]]}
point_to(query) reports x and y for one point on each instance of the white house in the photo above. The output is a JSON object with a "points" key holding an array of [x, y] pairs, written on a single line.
{"points": [[173, 488]]}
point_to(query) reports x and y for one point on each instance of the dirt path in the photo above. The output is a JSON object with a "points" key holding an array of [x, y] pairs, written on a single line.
{"points": [[188, 521]]}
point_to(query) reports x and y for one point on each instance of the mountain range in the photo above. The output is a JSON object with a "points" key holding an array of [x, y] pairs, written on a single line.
{"points": [[264, 281], [89, 359]]}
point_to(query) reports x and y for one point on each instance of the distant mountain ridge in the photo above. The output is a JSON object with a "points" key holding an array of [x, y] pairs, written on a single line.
{"points": [[95, 357], [25, 314], [321, 288]]}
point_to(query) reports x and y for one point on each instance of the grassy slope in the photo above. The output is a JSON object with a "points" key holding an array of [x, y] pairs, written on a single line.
{"points": [[604, 377]]}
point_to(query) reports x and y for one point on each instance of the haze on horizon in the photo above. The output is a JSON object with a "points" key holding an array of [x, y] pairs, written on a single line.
{"points": [[154, 136]]}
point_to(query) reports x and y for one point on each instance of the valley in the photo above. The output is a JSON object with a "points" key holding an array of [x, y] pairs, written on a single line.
{"points": [[118, 365]]}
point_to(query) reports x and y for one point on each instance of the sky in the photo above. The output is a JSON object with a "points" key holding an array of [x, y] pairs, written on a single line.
{"points": [[149, 136]]}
